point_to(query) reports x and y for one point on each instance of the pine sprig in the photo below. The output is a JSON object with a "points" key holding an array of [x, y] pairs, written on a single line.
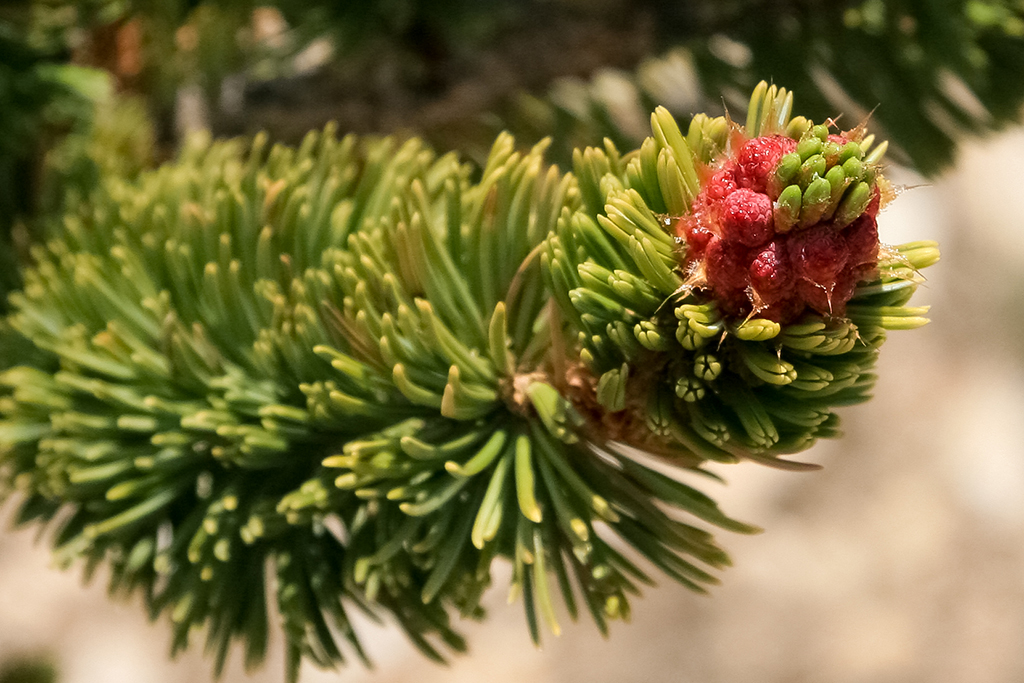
{"points": [[369, 371]]}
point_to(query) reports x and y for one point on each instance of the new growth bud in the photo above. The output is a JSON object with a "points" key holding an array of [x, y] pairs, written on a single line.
{"points": [[784, 225]]}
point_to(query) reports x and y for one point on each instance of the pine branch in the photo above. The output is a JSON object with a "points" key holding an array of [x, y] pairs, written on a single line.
{"points": [[371, 370]]}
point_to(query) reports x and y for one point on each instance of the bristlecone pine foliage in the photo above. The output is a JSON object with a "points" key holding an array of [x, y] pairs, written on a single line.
{"points": [[359, 372]]}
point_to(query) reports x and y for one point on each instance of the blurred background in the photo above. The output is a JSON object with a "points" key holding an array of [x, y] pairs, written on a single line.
{"points": [[902, 560]]}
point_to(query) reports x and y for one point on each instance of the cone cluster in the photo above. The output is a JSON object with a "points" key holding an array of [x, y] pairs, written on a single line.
{"points": [[737, 339], [786, 222]]}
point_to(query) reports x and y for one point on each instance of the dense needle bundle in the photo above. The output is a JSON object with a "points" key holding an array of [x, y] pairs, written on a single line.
{"points": [[360, 372]]}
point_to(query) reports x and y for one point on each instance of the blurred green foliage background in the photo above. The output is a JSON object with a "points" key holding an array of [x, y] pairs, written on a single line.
{"points": [[458, 71]]}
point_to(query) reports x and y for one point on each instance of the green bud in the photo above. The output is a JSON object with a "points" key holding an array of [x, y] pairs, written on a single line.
{"points": [[787, 169], [850, 151], [830, 150], [650, 336], [706, 366], [836, 177], [611, 388], [820, 131], [808, 146], [838, 181], [787, 208], [817, 193], [690, 389], [853, 168], [853, 204], [798, 127], [816, 200], [757, 329], [688, 338], [813, 167]]}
